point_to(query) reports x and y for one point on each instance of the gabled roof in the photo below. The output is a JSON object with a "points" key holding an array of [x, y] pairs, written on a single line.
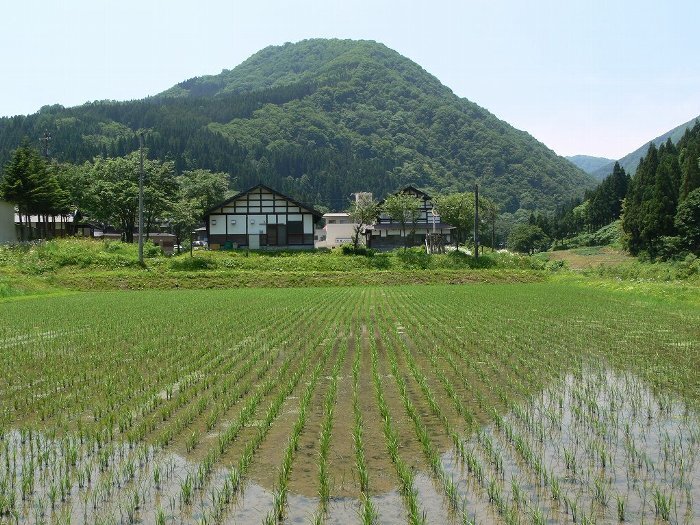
{"points": [[408, 189], [317, 214]]}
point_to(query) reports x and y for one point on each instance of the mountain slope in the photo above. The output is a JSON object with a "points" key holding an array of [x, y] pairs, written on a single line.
{"points": [[321, 119], [631, 160], [589, 164]]}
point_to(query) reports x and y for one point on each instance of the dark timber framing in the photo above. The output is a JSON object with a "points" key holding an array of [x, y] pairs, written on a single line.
{"points": [[380, 235], [272, 220]]}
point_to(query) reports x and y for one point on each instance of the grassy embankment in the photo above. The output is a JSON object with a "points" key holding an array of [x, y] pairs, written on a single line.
{"points": [[84, 265], [91, 265]]}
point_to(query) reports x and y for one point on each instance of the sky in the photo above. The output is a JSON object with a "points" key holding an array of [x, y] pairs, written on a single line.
{"points": [[582, 76]]}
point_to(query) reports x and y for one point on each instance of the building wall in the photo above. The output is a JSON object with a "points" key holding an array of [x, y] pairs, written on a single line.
{"points": [[391, 239], [277, 222], [338, 234], [8, 232]]}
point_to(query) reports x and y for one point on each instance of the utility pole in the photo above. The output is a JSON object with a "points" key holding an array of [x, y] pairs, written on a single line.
{"points": [[140, 134], [45, 140], [493, 230], [476, 221]]}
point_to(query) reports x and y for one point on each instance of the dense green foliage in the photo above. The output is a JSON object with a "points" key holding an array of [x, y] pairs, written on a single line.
{"points": [[363, 212], [665, 178], [105, 191], [319, 120], [605, 202], [600, 208], [528, 238], [32, 185], [83, 254], [687, 221], [609, 235]]}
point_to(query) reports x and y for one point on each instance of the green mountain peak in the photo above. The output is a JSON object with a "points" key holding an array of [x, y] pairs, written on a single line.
{"points": [[320, 119]]}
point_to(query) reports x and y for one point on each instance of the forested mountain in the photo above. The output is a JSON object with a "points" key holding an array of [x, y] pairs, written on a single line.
{"points": [[662, 207], [590, 164], [318, 119], [630, 161]]}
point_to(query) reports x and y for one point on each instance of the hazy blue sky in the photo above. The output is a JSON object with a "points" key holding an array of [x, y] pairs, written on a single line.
{"points": [[592, 77]]}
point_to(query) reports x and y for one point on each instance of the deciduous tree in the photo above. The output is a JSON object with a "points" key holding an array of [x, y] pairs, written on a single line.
{"points": [[528, 238], [363, 212], [404, 208]]}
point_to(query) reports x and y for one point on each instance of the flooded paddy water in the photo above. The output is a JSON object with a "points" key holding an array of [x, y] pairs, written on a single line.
{"points": [[483, 407], [598, 446]]}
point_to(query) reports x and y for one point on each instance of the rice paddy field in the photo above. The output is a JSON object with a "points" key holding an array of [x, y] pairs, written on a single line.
{"points": [[550, 402]]}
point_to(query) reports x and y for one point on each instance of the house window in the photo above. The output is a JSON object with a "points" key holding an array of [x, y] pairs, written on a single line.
{"points": [[295, 232]]}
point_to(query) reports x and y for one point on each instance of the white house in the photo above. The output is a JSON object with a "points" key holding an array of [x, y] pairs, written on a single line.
{"points": [[261, 218], [338, 230], [8, 233]]}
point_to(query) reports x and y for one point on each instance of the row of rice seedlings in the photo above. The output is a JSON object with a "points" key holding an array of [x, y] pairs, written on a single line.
{"points": [[431, 453], [237, 474], [472, 462], [107, 379], [113, 418], [491, 452], [234, 390], [104, 464], [404, 472], [597, 421], [494, 486], [213, 370], [324, 490], [188, 395], [222, 498], [242, 364], [368, 514], [280, 494]]}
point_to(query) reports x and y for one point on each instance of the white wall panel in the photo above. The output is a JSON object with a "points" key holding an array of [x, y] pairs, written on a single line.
{"points": [[256, 224], [217, 224], [238, 227]]}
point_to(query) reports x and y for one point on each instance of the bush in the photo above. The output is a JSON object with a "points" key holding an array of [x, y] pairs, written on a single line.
{"points": [[414, 258], [671, 248], [45, 256], [610, 235], [349, 249], [186, 264]]}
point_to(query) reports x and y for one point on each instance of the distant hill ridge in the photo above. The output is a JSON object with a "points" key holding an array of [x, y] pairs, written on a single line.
{"points": [[590, 164], [630, 161], [319, 120]]}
